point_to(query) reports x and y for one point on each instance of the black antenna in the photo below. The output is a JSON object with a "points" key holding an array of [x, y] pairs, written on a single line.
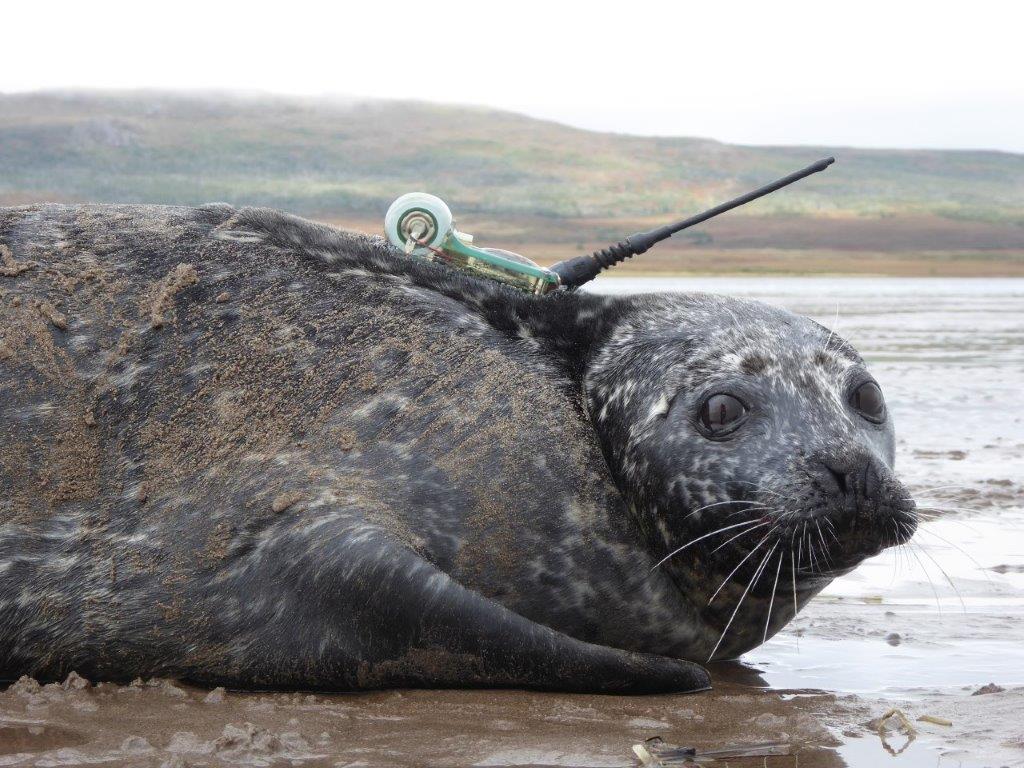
{"points": [[575, 272]]}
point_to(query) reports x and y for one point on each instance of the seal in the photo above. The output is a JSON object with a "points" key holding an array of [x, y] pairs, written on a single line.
{"points": [[244, 449]]}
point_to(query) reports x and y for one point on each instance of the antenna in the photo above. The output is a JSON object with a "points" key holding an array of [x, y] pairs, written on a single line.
{"points": [[575, 272]]}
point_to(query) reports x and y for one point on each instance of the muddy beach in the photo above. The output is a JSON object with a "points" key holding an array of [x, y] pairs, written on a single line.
{"points": [[923, 629]]}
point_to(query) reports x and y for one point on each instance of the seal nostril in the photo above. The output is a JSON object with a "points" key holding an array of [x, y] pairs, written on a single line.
{"points": [[872, 482], [840, 478]]}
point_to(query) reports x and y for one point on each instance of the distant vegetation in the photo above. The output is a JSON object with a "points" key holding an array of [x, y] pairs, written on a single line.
{"points": [[541, 187]]}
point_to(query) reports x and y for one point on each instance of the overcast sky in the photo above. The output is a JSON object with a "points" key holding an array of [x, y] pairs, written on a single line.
{"points": [[900, 73]]}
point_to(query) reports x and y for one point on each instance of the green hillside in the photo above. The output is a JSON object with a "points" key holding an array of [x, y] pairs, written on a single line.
{"points": [[524, 180]]}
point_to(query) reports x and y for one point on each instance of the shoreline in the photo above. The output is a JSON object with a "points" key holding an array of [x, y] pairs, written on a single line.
{"points": [[674, 261], [648, 275], [748, 245]]}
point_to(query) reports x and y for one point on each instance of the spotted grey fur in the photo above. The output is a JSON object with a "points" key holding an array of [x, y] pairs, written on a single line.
{"points": [[241, 448]]}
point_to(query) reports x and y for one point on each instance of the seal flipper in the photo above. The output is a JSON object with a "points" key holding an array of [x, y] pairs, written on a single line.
{"points": [[355, 609], [431, 631]]}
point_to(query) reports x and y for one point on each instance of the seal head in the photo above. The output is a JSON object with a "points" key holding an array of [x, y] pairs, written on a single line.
{"points": [[756, 451]]}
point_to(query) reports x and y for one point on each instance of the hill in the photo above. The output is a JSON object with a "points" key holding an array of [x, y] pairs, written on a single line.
{"points": [[545, 189]]}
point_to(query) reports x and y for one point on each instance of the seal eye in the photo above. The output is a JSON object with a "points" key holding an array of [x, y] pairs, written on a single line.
{"points": [[867, 400], [721, 414]]}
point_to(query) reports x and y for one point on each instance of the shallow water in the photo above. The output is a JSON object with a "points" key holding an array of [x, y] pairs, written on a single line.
{"points": [[949, 355]]}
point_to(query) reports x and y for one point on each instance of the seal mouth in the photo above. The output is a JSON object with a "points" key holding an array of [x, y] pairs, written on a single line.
{"points": [[836, 544], [834, 537], [812, 543], [837, 519], [781, 556]]}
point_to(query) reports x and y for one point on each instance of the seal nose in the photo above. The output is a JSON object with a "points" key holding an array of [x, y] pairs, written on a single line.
{"points": [[844, 476], [867, 506], [856, 480]]}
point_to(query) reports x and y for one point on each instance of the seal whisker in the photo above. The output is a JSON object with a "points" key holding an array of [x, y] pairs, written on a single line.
{"points": [[952, 486], [905, 557], [824, 544], [942, 570], [701, 538], [825, 555], [718, 504], [961, 550], [758, 487], [741, 533], [792, 567], [943, 513], [832, 531], [927, 498], [800, 549], [753, 579], [893, 541], [739, 564], [922, 507], [926, 506], [937, 505], [928, 576], [831, 330], [771, 602], [752, 509], [819, 561], [811, 559]]}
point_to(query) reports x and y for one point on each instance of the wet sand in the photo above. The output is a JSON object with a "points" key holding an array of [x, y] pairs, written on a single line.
{"points": [[163, 723], [150, 724], [895, 633]]}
